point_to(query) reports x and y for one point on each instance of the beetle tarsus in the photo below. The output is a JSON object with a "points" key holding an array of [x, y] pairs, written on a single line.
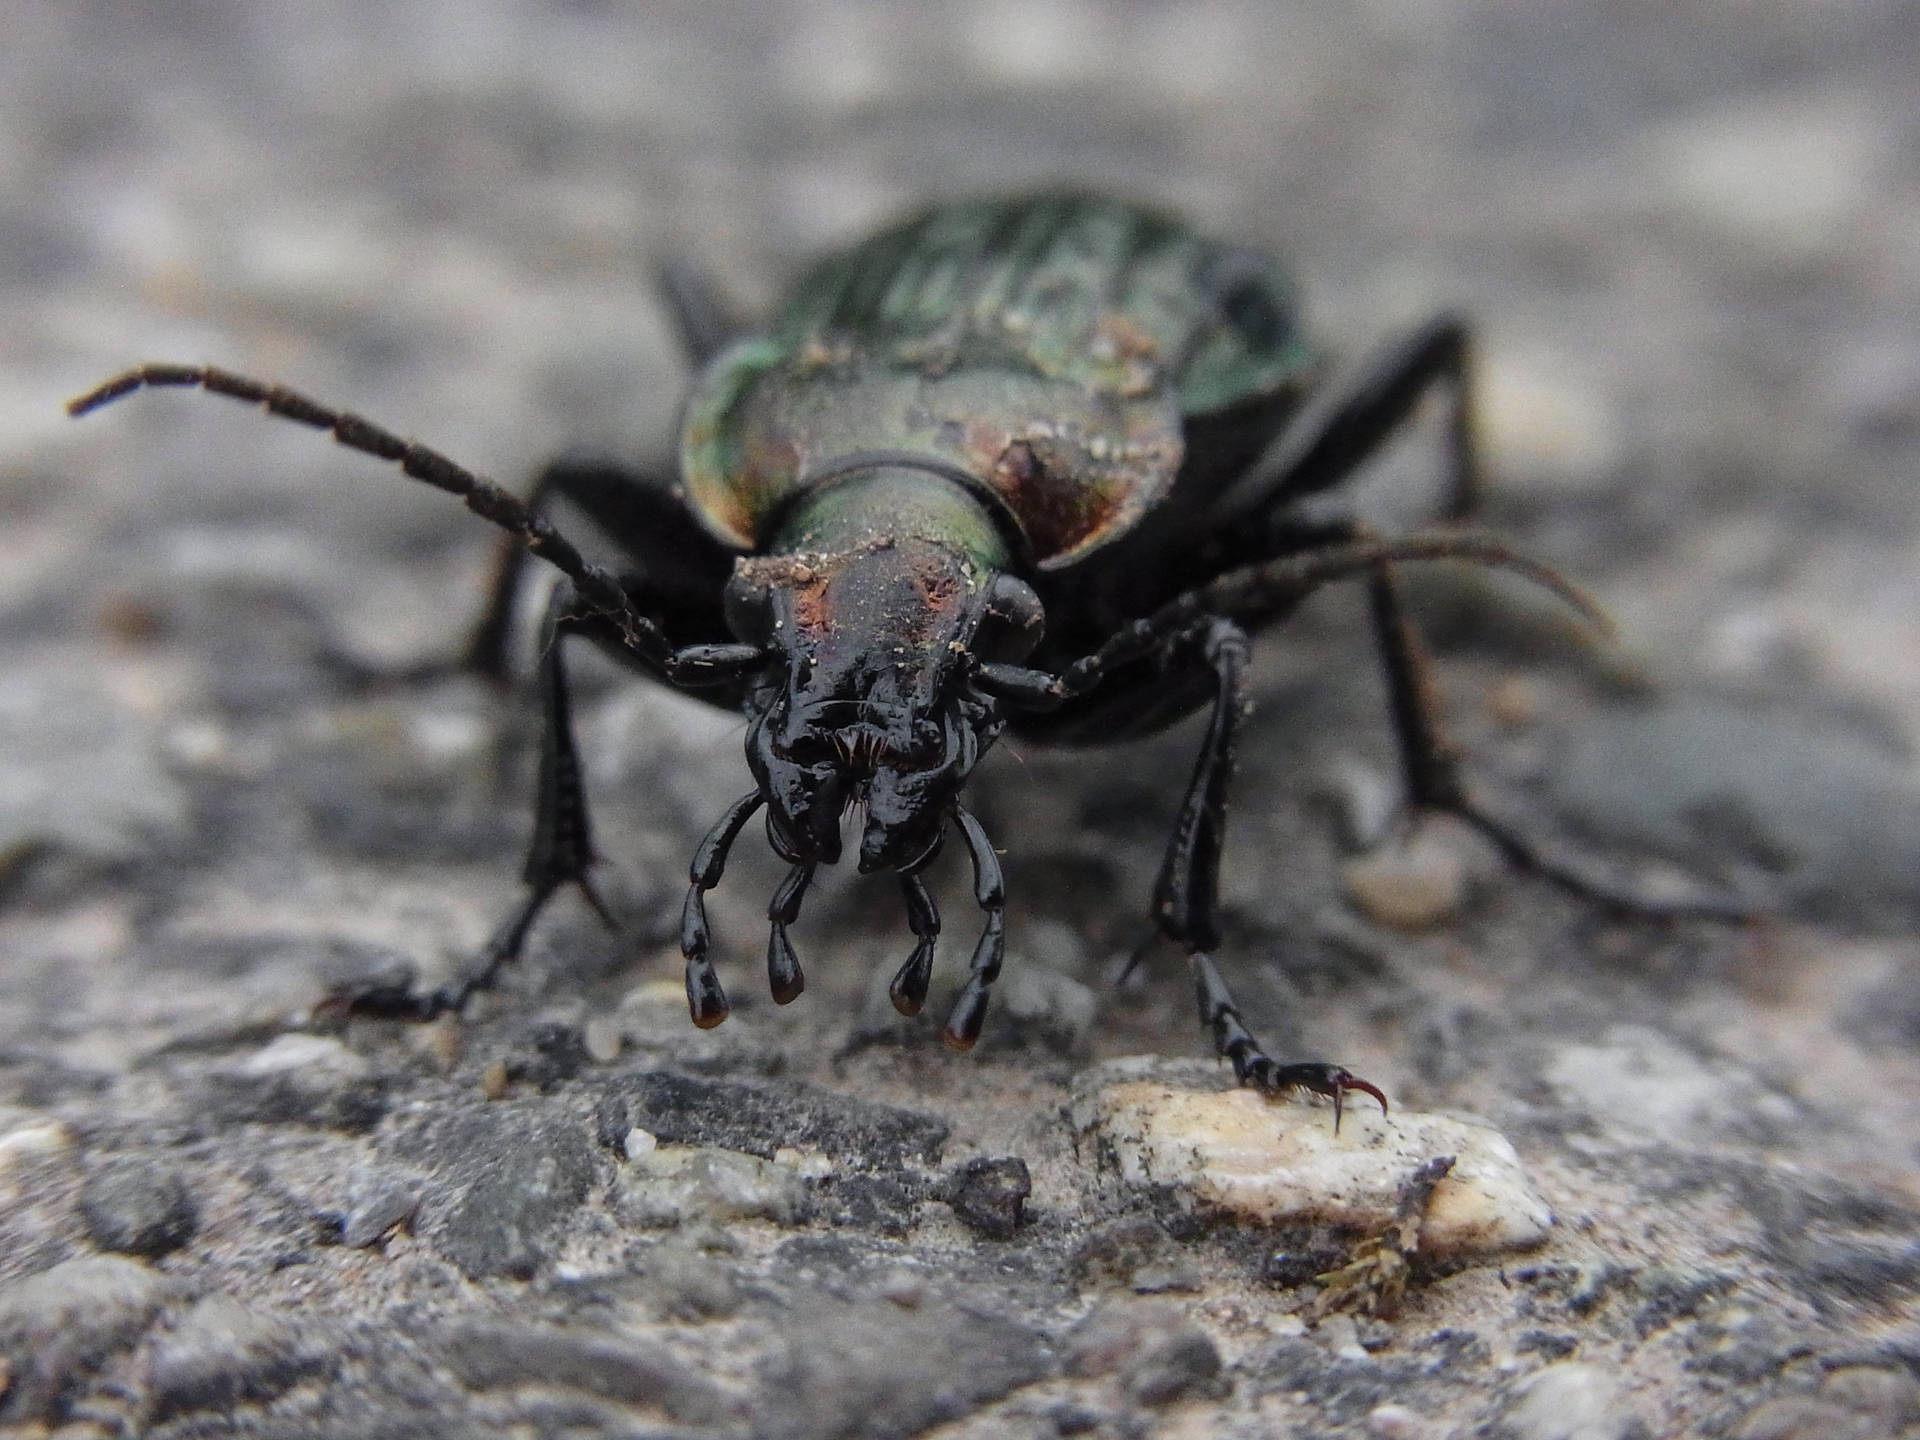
{"points": [[1251, 1065]]}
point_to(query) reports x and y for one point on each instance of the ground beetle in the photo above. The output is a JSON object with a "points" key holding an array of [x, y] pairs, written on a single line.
{"points": [[1033, 463]]}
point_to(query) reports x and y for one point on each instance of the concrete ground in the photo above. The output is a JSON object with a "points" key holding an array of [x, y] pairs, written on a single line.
{"points": [[1687, 235]]}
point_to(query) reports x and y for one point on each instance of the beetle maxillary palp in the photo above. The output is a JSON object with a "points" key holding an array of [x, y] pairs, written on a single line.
{"points": [[706, 998], [962, 1029], [909, 989], [783, 965]]}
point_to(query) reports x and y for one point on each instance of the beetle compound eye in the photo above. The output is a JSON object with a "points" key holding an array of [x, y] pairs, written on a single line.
{"points": [[1013, 622], [748, 605]]}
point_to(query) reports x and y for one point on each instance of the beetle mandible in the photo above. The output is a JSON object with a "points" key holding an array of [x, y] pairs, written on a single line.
{"points": [[1032, 463]]}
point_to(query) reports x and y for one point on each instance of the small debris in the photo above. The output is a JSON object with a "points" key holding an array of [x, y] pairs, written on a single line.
{"points": [[378, 1201], [1375, 1280], [989, 1195], [1397, 1422], [640, 1143], [683, 1184], [1280, 1163], [138, 1205]]}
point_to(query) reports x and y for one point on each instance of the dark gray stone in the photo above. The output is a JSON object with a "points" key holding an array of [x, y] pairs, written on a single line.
{"points": [[139, 1205], [503, 1178], [989, 1194], [761, 1119], [57, 1326], [614, 1367], [871, 1369], [378, 1200], [1172, 1366], [1833, 820], [221, 1353]]}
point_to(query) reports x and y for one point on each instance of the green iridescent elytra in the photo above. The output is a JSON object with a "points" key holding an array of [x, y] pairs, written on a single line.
{"points": [[1051, 347]]}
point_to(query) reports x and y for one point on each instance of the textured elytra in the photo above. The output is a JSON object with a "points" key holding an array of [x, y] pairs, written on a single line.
{"points": [[1051, 348]]}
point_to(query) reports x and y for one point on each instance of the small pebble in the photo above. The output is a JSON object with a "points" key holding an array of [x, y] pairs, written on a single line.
{"points": [[1279, 1162], [682, 1184], [904, 1288], [493, 1080], [603, 1038], [1411, 884], [640, 1142], [138, 1205], [1568, 1400], [31, 1142], [1397, 1422], [989, 1194]]}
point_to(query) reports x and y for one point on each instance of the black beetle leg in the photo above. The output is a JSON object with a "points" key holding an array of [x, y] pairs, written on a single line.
{"points": [[909, 988], [1346, 424], [706, 1000], [1251, 1064], [962, 1029], [783, 966], [1430, 771], [1186, 896]]}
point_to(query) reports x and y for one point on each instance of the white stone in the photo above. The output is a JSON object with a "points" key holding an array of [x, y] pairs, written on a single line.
{"points": [[290, 1052], [1280, 1162], [30, 1142]]}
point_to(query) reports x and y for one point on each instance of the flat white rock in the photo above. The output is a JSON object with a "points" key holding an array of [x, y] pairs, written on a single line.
{"points": [[1279, 1162]]}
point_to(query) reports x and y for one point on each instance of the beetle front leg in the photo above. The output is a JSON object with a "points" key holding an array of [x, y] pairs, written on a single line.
{"points": [[1187, 895]]}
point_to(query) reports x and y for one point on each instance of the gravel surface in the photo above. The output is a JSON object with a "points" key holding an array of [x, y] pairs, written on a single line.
{"points": [[1688, 236]]}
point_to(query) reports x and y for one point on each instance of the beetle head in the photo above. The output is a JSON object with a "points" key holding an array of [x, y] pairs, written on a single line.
{"points": [[868, 702]]}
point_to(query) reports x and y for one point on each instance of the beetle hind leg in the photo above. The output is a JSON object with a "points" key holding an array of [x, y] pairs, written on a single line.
{"points": [[1430, 771]]}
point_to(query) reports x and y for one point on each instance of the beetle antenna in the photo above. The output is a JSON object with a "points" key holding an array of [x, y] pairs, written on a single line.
{"points": [[1256, 590], [598, 586]]}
